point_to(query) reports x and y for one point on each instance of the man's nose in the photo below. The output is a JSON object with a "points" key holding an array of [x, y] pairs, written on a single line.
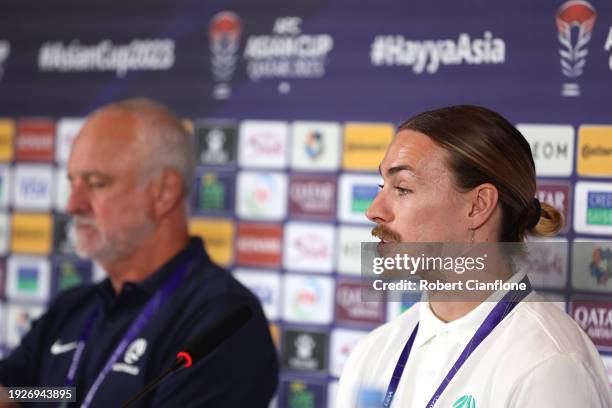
{"points": [[78, 200], [378, 211]]}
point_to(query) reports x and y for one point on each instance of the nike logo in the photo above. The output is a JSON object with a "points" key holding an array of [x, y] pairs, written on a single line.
{"points": [[59, 348]]}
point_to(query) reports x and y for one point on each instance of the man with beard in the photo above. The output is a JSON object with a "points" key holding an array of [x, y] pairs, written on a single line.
{"points": [[130, 171]]}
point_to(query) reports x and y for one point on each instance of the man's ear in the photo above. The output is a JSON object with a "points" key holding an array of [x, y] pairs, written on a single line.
{"points": [[167, 190], [483, 199]]}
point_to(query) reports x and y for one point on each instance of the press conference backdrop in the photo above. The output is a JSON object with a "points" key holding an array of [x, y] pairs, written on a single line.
{"points": [[292, 105]]}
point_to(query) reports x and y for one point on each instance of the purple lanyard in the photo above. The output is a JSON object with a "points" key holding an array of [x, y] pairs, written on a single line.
{"points": [[146, 314], [501, 310]]}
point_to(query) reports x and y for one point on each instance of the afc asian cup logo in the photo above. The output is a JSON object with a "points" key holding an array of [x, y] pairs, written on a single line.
{"points": [[224, 34], [575, 21]]}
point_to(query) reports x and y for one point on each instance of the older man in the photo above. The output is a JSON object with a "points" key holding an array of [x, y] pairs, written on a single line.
{"points": [[130, 170]]}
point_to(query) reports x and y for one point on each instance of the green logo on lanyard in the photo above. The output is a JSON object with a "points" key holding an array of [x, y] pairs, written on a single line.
{"points": [[467, 401]]}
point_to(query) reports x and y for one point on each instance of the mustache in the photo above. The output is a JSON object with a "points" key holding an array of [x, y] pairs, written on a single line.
{"points": [[385, 234], [79, 220]]}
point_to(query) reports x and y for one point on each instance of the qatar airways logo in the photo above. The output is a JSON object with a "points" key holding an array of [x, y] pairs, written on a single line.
{"points": [[575, 21], [595, 318]]}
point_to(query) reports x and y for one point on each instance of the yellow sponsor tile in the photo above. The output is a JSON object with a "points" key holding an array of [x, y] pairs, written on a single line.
{"points": [[7, 139], [31, 233], [218, 236], [275, 333], [188, 125], [365, 145], [595, 151]]}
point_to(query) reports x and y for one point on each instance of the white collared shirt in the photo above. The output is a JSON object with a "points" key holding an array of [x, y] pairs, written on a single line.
{"points": [[536, 357]]}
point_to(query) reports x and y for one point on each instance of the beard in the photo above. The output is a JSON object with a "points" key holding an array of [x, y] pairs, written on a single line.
{"points": [[106, 245]]}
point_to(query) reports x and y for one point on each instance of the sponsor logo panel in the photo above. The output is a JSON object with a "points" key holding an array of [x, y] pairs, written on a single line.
{"points": [[216, 143], [557, 194], [547, 264], [315, 146], [595, 318], [308, 299], [7, 138], [595, 151], [304, 350], [19, 318], [266, 286], [592, 265], [349, 248], [64, 235], [350, 309], [5, 233], [356, 193], [593, 208], [213, 193], [69, 272], [31, 233], [302, 393], [218, 236], [552, 147], [259, 245], [28, 278], [312, 197], [365, 145], [262, 196], [309, 247], [67, 130], [263, 144], [62, 189], [32, 187], [343, 342], [35, 140], [5, 186]]}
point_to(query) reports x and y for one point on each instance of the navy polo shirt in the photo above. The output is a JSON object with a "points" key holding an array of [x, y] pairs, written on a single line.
{"points": [[242, 372]]}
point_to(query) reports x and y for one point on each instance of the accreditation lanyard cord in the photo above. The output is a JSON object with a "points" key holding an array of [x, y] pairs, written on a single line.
{"points": [[501, 310], [146, 314]]}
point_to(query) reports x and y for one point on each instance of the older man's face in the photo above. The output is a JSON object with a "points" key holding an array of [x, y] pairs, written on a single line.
{"points": [[110, 204], [418, 202]]}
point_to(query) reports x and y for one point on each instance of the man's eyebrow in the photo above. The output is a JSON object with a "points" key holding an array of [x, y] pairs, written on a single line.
{"points": [[396, 169]]}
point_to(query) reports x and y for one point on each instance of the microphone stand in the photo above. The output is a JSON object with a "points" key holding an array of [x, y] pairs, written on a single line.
{"points": [[179, 363]]}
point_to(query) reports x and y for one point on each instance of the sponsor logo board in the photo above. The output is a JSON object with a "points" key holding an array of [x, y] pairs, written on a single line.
{"points": [[216, 143], [304, 350], [266, 286], [308, 299], [365, 145], [552, 147], [262, 196], [593, 208], [312, 197], [218, 236], [315, 146], [259, 245], [309, 247]]}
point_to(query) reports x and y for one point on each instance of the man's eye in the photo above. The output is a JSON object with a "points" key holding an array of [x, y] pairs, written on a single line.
{"points": [[402, 191], [96, 183]]}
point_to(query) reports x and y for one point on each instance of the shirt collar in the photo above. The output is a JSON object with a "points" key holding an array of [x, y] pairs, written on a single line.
{"points": [[462, 329]]}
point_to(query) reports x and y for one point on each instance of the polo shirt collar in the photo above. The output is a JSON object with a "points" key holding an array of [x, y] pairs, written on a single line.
{"points": [[462, 329], [153, 282]]}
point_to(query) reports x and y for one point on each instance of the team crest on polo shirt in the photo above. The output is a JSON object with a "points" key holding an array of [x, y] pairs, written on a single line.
{"points": [[132, 355], [466, 401]]}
